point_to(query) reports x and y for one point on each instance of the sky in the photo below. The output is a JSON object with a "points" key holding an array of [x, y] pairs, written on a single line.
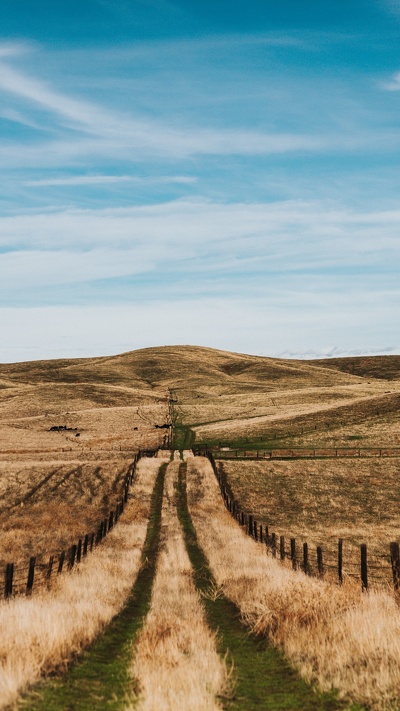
{"points": [[191, 172]]}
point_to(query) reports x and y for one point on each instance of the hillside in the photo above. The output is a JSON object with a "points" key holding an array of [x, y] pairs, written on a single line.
{"points": [[69, 430], [381, 367], [217, 393]]}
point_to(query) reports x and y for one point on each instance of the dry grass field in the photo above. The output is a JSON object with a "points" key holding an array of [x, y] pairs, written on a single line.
{"points": [[243, 399], [56, 486], [336, 636], [176, 664], [42, 633], [320, 501]]}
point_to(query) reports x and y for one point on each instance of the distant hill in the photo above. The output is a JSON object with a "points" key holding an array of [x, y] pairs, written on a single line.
{"points": [[180, 366], [382, 367], [218, 395]]}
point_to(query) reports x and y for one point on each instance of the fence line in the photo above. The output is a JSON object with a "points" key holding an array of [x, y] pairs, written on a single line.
{"points": [[20, 580], [301, 560], [302, 452]]}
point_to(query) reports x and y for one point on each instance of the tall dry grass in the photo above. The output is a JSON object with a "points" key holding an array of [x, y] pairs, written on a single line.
{"points": [[321, 501], [176, 664], [44, 632], [336, 637]]}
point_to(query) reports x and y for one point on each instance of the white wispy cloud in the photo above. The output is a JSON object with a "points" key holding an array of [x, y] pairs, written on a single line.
{"points": [[393, 84], [106, 179], [315, 232], [45, 268], [338, 352], [190, 248], [121, 131], [14, 49]]}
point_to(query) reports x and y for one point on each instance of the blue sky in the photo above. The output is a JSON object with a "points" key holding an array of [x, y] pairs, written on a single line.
{"points": [[222, 174]]}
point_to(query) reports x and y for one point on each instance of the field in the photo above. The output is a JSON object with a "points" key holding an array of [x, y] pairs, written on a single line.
{"points": [[321, 501], [69, 431], [57, 485]]}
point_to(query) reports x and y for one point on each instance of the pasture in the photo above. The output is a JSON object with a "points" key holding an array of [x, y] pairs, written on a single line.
{"points": [[319, 501], [69, 432]]}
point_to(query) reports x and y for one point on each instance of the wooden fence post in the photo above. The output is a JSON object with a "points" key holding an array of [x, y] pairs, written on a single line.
{"points": [[340, 560], [79, 551], [395, 561], [92, 539], [242, 519], [293, 553], [255, 531], [320, 562], [250, 529], [31, 575], [85, 545], [306, 565], [273, 544], [261, 534], [61, 563], [50, 567], [72, 556], [111, 520], [8, 587], [364, 567], [282, 547], [267, 540]]}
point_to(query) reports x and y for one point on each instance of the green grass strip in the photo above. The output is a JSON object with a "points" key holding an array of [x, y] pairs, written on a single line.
{"points": [[182, 437], [100, 678], [264, 679]]}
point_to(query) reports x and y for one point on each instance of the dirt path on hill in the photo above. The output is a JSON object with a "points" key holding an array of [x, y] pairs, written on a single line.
{"points": [[262, 677], [100, 679]]}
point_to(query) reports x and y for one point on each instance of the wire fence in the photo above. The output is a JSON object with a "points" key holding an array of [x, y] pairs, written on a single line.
{"points": [[328, 562], [303, 452], [22, 579]]}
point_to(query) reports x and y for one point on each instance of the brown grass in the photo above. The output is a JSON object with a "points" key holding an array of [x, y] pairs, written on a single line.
{"points": [[176, 665], [47, 506], [44, 632], [322, 501], [336, 637], [369, 409], [56, 486]]}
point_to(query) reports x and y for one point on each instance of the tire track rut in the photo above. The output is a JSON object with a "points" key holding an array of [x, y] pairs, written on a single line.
{"points": [[100, 679], [264, 679]]}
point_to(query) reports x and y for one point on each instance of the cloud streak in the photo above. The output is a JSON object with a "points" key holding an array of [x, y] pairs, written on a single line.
{"points": [[197, 248], [109, 179], [121, 131]]}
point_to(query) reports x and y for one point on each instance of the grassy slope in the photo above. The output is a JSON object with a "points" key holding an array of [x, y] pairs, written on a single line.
{"points": [[115, 402], [263, 678], [100, 679]]}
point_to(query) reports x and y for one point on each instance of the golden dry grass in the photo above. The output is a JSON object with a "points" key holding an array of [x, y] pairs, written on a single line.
{"points": [[336, 637], [176, 665], [368, 407], [321, 501], [56, 486], [44, 632], [46, 506], [229, 396]]}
